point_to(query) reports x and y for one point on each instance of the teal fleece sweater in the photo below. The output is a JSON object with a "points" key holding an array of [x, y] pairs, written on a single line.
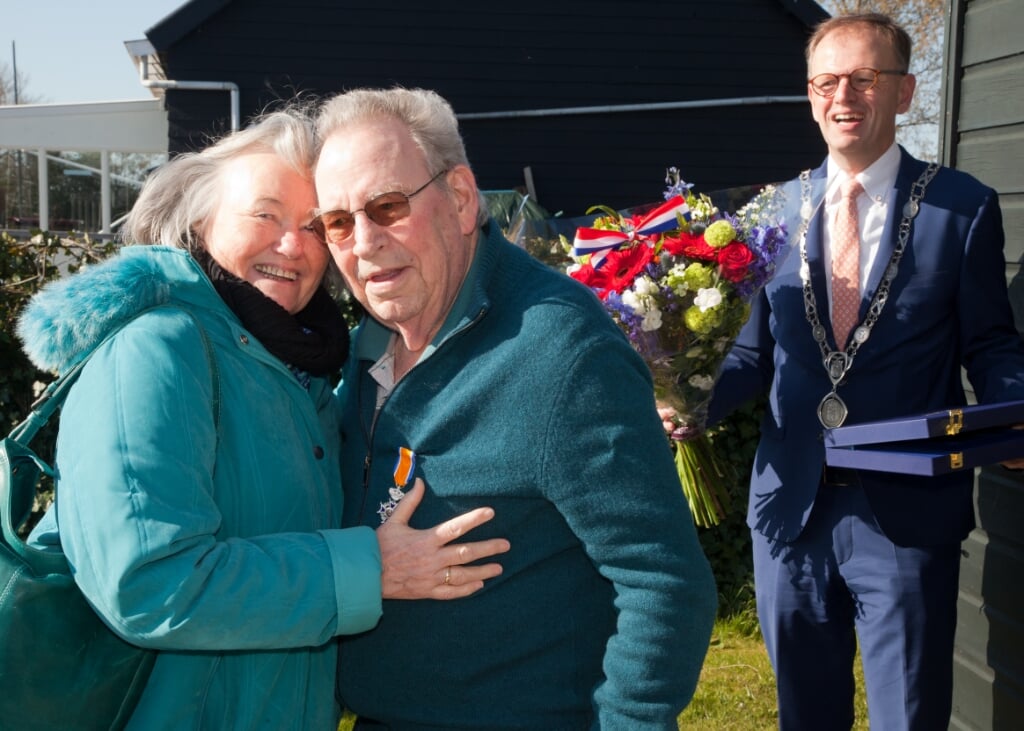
{"points": [[530, 401]]}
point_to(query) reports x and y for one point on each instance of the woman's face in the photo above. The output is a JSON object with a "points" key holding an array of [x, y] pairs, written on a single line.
{"points": [[260, 230]]}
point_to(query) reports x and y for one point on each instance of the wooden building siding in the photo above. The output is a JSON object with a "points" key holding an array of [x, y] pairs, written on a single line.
{"points": [[494, 57], [983, 134]]}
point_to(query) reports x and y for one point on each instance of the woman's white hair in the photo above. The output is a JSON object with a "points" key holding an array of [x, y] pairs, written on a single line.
{"points": [[181, 195]]}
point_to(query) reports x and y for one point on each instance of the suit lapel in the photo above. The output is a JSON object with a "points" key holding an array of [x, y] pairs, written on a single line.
{"points": [[815, 247], [896, 199]]}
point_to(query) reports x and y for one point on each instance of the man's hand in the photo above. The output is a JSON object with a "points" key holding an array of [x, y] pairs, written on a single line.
{"points": [[420, 564], [668, 418], [672, 425]]}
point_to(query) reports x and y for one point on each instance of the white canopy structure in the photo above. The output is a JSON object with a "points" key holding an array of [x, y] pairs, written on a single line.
{"points": [[104, 127]]}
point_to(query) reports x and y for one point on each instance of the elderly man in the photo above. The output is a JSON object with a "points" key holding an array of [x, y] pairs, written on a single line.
{"points": [[500, 382]]}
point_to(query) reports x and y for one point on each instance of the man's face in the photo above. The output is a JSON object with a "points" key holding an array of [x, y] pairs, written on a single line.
{"points": [[408, 274], [858, 126]]}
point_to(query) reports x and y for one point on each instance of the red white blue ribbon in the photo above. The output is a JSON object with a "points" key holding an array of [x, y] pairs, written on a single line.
{"points": [[405, 468], [598, 242]]}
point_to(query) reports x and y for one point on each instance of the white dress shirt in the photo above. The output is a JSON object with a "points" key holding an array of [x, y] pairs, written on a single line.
{"points": [[872, 208]]}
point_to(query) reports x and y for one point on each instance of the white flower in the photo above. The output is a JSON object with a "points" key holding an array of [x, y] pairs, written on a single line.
{"points": [[703, 383], [645, 286], [633, 302], [652, 320], [677, 278], [707, 298], [641, 300]]}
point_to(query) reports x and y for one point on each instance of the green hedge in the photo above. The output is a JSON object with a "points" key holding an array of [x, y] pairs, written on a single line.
{"points": [[727, 545], [25, 265]]}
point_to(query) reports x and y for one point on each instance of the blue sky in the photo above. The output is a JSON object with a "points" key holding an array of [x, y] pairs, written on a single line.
{"points": [[73, 50]]}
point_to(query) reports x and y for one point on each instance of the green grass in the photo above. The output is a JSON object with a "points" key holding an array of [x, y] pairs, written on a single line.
{"points": [[736, 691]]}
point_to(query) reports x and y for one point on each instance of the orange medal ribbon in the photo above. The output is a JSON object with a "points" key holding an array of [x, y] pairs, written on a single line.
{"points": [[405, 467]]}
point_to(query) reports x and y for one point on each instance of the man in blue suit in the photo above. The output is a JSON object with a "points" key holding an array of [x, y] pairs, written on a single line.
{"points": [[847, 556]]}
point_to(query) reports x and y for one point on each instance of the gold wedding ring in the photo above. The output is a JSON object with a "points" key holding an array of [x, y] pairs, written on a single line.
{"points": [[448, 576]]}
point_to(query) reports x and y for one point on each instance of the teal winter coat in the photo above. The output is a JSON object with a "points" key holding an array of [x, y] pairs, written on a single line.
{"points": [[213, 539]]}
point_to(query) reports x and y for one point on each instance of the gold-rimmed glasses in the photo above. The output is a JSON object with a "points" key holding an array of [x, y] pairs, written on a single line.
{"points": [[861, 80], [334, 227]]}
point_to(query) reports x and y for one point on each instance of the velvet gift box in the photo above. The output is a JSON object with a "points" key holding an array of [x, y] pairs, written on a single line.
{"points": [[934, 443]]}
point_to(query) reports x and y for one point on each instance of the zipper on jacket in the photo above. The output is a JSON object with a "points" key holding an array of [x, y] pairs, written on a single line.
{"points": [[366, 483], [368, 434]]}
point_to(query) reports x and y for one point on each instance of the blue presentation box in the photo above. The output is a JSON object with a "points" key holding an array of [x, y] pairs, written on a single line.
{"points": [[935, 443]]}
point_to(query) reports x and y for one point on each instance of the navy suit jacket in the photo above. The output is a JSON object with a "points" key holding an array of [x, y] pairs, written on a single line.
{"points": [[948, 307]]}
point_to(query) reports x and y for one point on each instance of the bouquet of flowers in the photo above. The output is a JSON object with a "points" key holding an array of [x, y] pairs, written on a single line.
{"points": [[678, 280]]}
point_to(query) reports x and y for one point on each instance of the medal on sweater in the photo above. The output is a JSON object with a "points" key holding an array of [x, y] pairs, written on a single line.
{"points": [[405, 466]]}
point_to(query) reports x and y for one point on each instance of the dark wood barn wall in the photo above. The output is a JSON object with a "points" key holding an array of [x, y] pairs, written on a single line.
{"points": [[498, 57], [983, 134]]}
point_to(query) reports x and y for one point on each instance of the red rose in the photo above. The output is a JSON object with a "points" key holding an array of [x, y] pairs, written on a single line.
{"points": [[733, 261], [691, 246]]}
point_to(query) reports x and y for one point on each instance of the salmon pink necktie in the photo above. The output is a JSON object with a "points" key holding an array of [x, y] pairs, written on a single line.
{"points": [[846, 263]]}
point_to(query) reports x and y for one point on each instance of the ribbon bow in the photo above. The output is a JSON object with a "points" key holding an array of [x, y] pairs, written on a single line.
{"points": [[598, 243]]}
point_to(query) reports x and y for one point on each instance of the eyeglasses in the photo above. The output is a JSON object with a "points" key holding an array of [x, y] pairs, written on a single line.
{"points": [[386, 209], [860, 79]]}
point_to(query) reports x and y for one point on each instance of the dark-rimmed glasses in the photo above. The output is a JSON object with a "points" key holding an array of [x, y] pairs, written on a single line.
{"points": [[860, 80], [386, 209]]}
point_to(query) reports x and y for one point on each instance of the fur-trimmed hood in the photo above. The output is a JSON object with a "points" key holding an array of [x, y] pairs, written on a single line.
{"points": [[69, 317]]}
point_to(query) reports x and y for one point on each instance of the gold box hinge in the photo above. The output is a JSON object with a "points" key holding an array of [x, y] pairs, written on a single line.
{"points": [[956, 422]]}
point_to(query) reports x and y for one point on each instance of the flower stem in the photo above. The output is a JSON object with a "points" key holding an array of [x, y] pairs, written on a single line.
{"points": [[703, 478]]}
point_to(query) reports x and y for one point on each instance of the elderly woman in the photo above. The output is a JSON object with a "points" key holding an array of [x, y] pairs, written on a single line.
{"points": [[198, 457]]}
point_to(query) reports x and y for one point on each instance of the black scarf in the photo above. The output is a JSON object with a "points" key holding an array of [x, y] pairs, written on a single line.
{"points": [[314, 340]]}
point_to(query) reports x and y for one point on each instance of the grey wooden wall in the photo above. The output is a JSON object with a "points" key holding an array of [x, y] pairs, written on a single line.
{"points": [[983, 134]]}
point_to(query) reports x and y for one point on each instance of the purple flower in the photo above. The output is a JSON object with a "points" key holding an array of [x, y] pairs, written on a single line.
{"points": [[676, 184]]}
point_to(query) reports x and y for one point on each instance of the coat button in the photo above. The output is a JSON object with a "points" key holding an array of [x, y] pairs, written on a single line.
{"points": [[318, 452], [244, 339]]}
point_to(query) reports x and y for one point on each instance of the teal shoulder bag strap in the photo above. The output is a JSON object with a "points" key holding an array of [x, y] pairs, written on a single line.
{"points": [[61, 667]]}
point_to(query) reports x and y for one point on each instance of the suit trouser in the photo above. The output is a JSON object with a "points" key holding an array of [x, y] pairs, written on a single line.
{"points": [[843, 582]]}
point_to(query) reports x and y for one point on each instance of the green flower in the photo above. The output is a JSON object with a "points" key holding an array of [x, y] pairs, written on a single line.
{"points": [[719, 234], [702, 210], [607, 223], [675, 280], [699, 322], [698, 276]]}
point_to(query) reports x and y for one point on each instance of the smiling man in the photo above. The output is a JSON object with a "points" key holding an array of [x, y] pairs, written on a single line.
{"points": [[500, 382], [894, 283]]}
